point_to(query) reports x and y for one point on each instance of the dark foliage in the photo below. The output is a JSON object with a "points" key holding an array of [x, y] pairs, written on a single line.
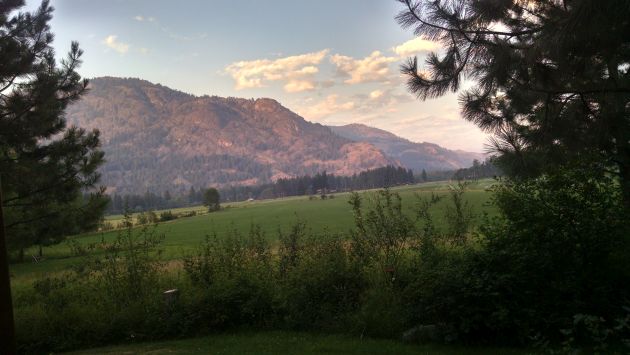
{"points": [[45, 164], [304, 185], [212, 199], [552, 80], [486, 169], [388, 176]]}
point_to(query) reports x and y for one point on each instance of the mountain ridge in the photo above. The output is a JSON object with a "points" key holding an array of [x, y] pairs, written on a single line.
{"points": [[413, 155], [158, 139]]}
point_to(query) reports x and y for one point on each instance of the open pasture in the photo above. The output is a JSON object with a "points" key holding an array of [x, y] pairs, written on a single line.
{"points": [[184, 234]]}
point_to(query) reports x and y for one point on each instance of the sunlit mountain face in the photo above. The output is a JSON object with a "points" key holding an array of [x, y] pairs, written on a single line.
{"points": [[156, 138]]}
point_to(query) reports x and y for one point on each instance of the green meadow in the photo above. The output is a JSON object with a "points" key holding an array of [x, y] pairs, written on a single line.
{"points": [[184, 234]]}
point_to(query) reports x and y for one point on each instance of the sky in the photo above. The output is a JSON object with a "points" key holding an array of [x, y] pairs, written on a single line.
{"points": [[332, 61]]}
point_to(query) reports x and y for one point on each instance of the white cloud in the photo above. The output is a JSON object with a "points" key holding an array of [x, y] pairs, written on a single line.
{"points": [[380, 101], [415, 46], [327, 107], [376, 94], [374, 67], [297, 70], [141, 18], [112, 42], [299, 86]]}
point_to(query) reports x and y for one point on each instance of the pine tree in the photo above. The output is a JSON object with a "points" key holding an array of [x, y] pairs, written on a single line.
{"points": [[424, 175], [45, 164], [550, 78]]}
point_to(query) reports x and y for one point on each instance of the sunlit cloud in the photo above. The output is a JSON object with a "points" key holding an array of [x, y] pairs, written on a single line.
{"points": [[299, 86], [376, 94], [298, 71], [112, 42], [326, 107], [141, 18], [415, 46], [375, 67]]}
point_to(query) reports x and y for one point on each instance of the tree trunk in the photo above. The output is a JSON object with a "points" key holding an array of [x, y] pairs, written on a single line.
{"points": [[624, 181], [7, 327]]}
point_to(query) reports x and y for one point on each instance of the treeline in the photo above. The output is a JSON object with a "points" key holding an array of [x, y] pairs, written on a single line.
{"points": [[299, 186], [486, 169], [147, 202], [322, 183]]}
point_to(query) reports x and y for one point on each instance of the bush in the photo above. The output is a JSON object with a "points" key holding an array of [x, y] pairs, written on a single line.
{"points": [[562, 241], [109, 297], [167, 216], [235, 279], [321, 285], [556, 250]]}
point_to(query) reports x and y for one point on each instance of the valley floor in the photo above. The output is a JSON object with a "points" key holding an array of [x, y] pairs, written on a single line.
{"points": [[276, 342]]}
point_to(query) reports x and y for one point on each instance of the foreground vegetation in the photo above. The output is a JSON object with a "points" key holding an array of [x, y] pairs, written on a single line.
{"points": [[397, 273], [272, 343]]}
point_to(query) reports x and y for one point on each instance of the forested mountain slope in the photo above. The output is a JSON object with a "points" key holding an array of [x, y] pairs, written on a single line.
{"points": [[159, 139]]}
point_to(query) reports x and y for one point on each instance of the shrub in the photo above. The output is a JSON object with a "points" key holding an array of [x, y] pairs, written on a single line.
{"points": [[108, 297], [383, 233], [235, 278], [561, 242], [555, 251], [167, 216], [320, 283]]}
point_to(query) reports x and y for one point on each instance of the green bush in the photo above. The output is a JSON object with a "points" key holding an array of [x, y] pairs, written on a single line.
{"points": [[235, 278], [320, 283], [561, 249], [558, 249], [167, 216]]}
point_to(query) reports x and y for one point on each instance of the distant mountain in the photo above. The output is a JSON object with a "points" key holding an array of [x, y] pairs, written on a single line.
{"points": [[416, 156], [159, 139]]}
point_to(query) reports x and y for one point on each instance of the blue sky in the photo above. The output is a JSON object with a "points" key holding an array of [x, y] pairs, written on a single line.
{"points": [[332, 61]]}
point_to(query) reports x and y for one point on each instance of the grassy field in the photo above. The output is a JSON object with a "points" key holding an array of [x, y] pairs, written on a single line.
{"points": [[184, 234], [272, 343]]}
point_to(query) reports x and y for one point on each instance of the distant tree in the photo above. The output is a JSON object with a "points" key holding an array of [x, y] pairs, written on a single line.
{"points": [[551, 79], [192, 195], [487, 169], [266, 194], [211, 199], [424, 175]]}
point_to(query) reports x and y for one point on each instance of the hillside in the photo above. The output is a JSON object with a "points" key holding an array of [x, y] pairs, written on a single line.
{"points": [[416, 156], [160, 139]]}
